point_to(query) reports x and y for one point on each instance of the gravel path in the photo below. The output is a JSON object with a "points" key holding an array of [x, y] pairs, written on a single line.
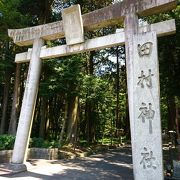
{"points": [[112, 165]]}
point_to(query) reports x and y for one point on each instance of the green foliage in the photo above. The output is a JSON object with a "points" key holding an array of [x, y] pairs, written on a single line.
{"points": [[108, 141], [39, 11], [93, 5], [10, 17], [164, 113], [41, 143], [6, 142], [61, 76], [94, 89]]}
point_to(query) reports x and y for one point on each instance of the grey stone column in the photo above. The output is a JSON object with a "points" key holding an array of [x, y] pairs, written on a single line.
{"points": [[143, 98], [28, 105]]}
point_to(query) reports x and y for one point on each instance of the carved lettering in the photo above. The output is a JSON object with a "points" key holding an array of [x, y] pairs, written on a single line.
{"points": [[148, 160], [145, 79], [147, 113], [145, 49]]}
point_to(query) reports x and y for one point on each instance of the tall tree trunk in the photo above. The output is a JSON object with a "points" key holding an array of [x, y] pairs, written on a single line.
{"points": [[118, 123], [90, 123], [15, 103], [7, 79], [47, 123], [64, 124], [87, 122], [127, 121], [42, 117], [177, 122], [36, 121], [171, 112], [127, 118], [72, 119], [89, 109]]}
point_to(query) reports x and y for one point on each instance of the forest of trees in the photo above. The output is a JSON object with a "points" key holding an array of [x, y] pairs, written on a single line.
{"points": [[81, 97]]}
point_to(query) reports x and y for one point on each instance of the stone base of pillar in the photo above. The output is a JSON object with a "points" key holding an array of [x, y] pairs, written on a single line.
{"points": [[16, 168]]}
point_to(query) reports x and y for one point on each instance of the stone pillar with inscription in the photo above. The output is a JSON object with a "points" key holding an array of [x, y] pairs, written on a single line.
{"points": [[144, 101], [144, 94], [147, 123]]}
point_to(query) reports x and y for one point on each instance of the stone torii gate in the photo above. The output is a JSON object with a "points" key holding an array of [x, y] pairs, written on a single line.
{"points": [[142, 71]]}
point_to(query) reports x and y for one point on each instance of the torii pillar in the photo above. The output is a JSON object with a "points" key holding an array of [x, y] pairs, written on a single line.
{"points": [[28, 107], [143, 95]]}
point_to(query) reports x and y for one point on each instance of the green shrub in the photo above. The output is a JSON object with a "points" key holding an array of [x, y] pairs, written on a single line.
{"points": [[6, 142], [53, 144], [41, 143], [36, 142]]}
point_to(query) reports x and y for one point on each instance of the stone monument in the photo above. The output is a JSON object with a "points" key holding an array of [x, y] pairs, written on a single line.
{"points": [[147, 124]]}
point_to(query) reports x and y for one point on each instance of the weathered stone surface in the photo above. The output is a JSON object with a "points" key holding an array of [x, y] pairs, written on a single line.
{"points": [[176, 169], [64, 50], [131, 28], [72, 23], [115, 14], [147, 154], [33, 153], [28, 105], [163, 28], [16, 168], [5, 156], [26, 36], [43, 153], [110, 15], [168, 27]]}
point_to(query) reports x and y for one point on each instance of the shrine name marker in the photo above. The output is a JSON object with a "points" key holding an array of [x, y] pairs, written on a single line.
{"points": [[147, 123], [72, 23]]}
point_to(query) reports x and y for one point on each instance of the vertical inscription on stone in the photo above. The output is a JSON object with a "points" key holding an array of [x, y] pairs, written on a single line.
{"points": [[72, 24], [147, 125], [147, 113], [145, 49], [148, 160], [145, 79]]}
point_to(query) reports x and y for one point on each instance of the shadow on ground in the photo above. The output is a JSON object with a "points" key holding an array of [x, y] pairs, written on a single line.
{"points": [[114, 164]]}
